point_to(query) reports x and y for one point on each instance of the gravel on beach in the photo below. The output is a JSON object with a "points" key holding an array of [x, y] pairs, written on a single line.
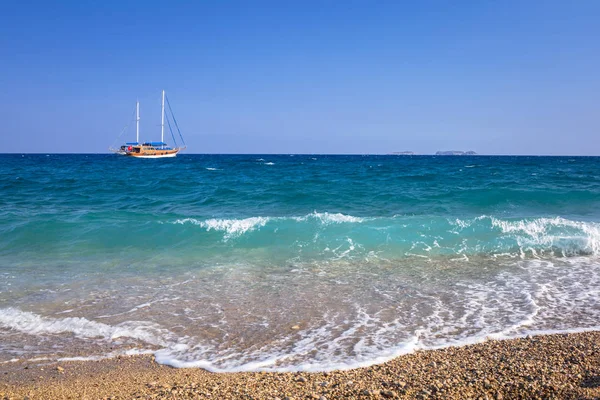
{"points": [[560, 366]]}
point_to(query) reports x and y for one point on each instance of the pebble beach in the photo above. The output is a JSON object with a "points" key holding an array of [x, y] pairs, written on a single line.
{"points": [[561, 366]]}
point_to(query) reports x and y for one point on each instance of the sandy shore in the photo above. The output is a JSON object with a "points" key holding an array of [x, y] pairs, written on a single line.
{"points": [[552, 366]]}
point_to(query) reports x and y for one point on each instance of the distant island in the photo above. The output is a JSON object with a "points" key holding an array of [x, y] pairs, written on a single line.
{"points": [[455, 153], [403, 153]]}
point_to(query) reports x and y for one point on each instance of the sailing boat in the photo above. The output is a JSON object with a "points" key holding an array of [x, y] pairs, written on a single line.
{"points": [[152, 149]]}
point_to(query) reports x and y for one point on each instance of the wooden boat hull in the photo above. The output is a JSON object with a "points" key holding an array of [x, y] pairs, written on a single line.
{"points": [[156, 154]]}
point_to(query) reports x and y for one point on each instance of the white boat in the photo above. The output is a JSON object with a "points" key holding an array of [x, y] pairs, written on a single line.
{"points": [[152, 149]]}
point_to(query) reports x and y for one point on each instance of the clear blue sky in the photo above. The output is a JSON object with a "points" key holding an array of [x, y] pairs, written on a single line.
{"points": [[497, 77]]}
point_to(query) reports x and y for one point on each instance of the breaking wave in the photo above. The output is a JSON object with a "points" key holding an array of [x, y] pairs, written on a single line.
{"points": [[330, 218], [232, 227], [416, 235], [33, 324], [558, 236]]}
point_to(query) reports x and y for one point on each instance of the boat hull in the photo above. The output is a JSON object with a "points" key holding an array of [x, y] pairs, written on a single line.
{"points": [[167, 155]]}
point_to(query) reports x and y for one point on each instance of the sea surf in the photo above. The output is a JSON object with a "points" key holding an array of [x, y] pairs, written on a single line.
{"points": [[290, 263]]}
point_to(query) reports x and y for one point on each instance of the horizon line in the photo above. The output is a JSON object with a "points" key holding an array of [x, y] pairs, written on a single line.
{"points": [[325, 154]]}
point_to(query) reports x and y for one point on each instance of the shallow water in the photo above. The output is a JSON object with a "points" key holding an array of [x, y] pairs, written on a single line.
{"points": [[291, 262]]}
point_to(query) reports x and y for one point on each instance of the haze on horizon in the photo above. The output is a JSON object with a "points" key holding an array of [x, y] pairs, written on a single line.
{"points": [[306, 77]]}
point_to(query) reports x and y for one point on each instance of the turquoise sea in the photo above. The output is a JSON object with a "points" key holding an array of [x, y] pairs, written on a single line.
{"points": [[291, 262]]}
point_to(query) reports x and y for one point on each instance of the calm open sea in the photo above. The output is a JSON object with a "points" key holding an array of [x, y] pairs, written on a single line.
{"points": [[282, 262]]}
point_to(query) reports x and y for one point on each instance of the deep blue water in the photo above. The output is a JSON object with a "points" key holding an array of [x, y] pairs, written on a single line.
{"points": [[292, 261]]}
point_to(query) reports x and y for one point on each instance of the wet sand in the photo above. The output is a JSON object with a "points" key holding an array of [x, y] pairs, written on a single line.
{"points": [[563, 366]]}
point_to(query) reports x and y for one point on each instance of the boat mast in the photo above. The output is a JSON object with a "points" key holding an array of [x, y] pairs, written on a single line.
{"points": [[137, 121], [162, 119]]}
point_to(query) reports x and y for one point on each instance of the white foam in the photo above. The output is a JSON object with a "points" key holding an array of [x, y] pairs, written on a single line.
{"points": [[34, 324], [233, 228], [528, 299], [330, 218], [375, 348], [538, 236], [114, 354], [540, 232], [327, 338]]}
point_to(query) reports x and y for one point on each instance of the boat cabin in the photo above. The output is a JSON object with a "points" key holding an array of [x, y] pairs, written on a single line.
{"points": [[150, 149]]}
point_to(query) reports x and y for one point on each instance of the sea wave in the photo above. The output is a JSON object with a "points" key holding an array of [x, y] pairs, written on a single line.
{"points": [[34, 324], [232, 227], [416, 235], [329, 218], [557, 235]]}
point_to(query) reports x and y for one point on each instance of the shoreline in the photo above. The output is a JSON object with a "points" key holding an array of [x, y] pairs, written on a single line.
{"points": [[557, 365]]}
